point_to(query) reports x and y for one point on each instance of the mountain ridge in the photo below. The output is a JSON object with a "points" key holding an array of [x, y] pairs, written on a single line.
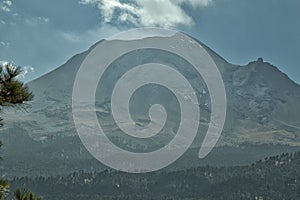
{"points": [[262, 102], [236, 75]]}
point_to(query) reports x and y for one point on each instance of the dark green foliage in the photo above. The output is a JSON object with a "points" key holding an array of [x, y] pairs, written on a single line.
{"points": [[12, 91], [4, 189], [25, 195], [275, 178]]}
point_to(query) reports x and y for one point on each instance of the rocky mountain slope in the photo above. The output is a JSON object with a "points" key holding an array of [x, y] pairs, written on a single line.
{"points": [[263, 108]]}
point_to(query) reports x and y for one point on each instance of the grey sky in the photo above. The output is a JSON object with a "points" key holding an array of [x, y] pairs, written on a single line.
{"points": [[45, 34]]}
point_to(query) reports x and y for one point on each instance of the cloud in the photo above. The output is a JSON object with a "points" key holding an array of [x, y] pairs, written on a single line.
{"points": [[4, 62], [43, 19], [161, 13], [26, 71], [5, 5], [5, 44], [89, 36], [36, 20]]}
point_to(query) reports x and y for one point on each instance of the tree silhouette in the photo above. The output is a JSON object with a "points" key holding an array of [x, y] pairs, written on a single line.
{"points": [[25, 195], [12, 92], [4, 189]]}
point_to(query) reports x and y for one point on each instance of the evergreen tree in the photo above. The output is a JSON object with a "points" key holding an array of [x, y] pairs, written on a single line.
{"points": [[13, 91], [4, 189], [25, 195]]}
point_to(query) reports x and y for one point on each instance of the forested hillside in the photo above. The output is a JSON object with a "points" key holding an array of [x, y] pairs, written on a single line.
{"points": [[275, 178]]}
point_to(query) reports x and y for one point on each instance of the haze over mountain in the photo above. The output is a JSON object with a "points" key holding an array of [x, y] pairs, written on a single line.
{"points": [[263, 109]]}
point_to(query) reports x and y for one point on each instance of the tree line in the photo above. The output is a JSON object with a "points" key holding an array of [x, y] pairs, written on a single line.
{"points": [[274, 178]]}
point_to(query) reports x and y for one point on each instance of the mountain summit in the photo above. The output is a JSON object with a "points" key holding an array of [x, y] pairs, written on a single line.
{"points": [[263, 109]]}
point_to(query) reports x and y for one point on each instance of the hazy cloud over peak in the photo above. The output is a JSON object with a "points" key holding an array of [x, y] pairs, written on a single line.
{"points": [[45, 34], [162, 13]]}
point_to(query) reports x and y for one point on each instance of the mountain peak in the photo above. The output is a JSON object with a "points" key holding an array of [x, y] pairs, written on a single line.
{"points": [[260, 60], [262, 107]]}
